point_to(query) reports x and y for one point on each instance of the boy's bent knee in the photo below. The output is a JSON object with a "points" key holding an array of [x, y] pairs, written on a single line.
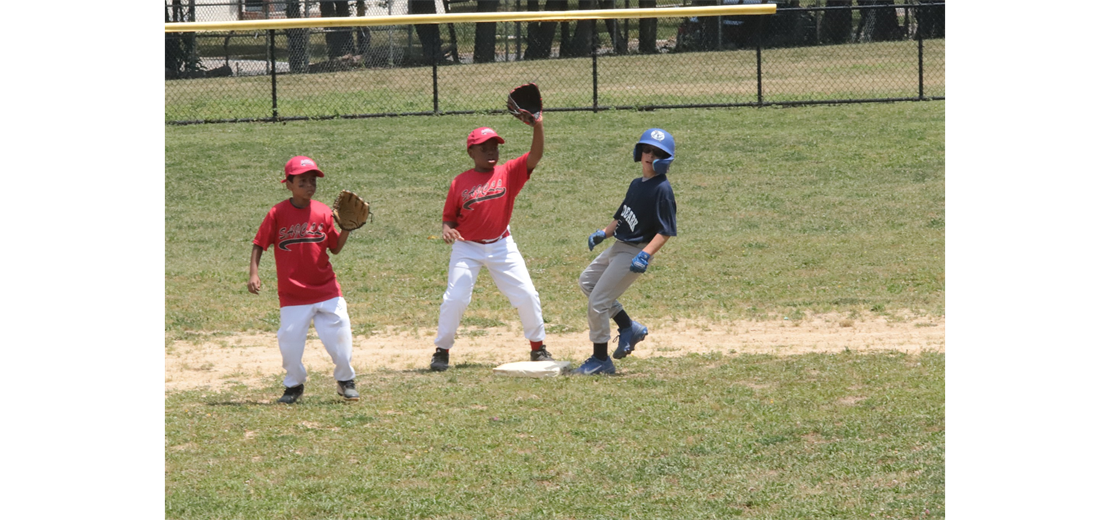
{"points": [[597, 307], [456, 301], [598, 300], [528, 300], [462, 297], [287, 333], [586, 285]]}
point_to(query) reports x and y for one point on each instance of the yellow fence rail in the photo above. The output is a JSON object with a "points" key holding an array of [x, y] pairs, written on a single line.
{"points": [[524, 16]]}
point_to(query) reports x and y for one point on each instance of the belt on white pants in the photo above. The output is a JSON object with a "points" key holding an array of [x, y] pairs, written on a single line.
{"points": [[492, 240]]}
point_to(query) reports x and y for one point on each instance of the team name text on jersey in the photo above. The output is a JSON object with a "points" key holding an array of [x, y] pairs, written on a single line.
{"points": [[299, 234], [482, 192], [630, 217]]}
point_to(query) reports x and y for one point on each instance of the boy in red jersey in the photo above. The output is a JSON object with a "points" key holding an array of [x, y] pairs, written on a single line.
{"points": [[476, 219], [308, 292]]}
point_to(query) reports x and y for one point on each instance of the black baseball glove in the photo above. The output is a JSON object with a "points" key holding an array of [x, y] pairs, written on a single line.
{"points": [[526, 104]]}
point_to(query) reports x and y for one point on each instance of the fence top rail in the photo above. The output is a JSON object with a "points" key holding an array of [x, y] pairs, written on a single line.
{"points": [[517, 16]]}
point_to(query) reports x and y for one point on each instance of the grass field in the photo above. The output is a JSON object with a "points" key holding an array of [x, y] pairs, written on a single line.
{"points": [[818, 436], [781, 213]]}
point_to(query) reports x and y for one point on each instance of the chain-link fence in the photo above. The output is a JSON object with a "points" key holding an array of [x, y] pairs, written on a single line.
{"points": [[875, 50]]}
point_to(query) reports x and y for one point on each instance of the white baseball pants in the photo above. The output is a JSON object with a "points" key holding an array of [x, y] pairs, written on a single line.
{"points": [[506, 267], [605, 280], [332, 325]]}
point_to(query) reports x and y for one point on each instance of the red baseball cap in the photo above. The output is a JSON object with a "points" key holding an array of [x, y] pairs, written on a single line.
{"points": [[301, 164], [481, 135]]}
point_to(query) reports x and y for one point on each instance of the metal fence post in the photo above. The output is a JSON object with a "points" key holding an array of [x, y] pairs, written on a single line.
{"points": [[273, 75], [920, 58], [435, 84], [759, 60], [593, 58]]}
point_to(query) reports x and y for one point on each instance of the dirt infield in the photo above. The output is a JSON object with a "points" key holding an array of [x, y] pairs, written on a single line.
{"points": [[254, 359]]}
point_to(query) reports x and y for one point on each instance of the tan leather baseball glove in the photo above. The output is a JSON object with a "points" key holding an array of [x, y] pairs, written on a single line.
{"points": [[350, 212]]}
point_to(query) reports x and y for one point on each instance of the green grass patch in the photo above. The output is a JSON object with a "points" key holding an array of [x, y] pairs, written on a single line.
{"points": [[815, 436]]}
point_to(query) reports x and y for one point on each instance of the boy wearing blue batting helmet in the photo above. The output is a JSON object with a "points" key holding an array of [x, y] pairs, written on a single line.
{"points": [[643, 222]]}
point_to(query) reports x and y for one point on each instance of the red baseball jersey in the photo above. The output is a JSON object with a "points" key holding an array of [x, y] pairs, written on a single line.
{"points": [[482, 203], [302, 237]]}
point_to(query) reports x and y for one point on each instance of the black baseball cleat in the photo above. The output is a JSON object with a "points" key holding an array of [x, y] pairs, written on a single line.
{"points": [[542, 354], [292, 393], [440, 360], [347, 390]]}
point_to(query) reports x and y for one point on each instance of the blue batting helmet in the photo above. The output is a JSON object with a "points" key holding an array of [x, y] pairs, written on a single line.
{"points": [[660, 139]]}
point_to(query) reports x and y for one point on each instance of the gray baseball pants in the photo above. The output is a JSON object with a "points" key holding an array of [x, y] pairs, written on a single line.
{"points": [[605, 280]]}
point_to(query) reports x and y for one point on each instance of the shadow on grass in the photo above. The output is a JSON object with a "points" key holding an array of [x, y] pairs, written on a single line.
{"points": [[466, 365]]}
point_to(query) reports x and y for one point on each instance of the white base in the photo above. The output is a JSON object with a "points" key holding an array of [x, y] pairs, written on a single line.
{"points": [[533, 368]]}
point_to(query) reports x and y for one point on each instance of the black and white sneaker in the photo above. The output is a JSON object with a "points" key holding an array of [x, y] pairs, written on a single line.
{"points": [[347, 390], [440, 360], [292, 393], [542, 354]]}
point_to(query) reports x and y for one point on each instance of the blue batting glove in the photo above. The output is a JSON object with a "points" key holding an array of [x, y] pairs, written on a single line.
{"points": [[595, 239], [640, 263]]}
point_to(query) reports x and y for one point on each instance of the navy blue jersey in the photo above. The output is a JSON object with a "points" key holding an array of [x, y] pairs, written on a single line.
{"points": [[648, 210]]}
